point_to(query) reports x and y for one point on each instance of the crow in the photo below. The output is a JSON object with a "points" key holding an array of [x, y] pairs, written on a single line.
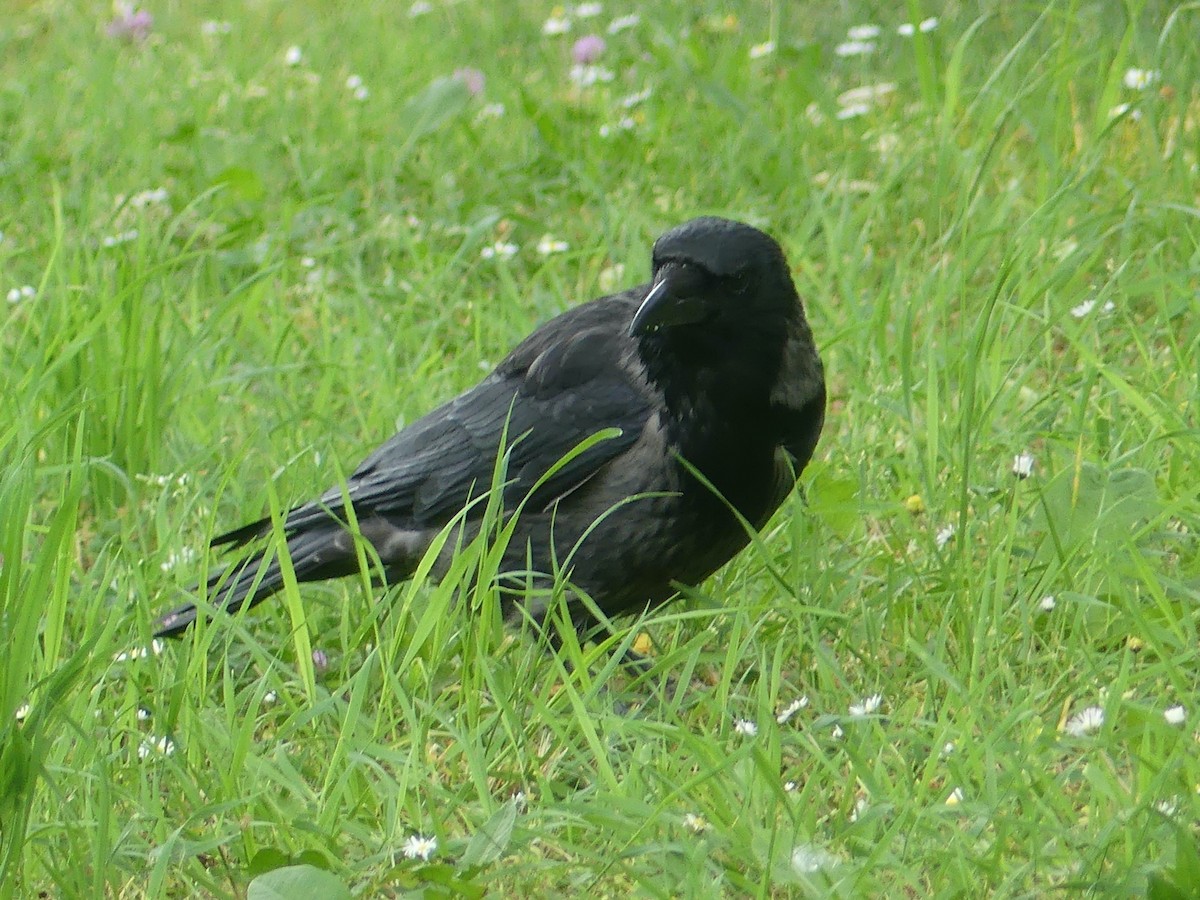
{"points": [[707, 395]]}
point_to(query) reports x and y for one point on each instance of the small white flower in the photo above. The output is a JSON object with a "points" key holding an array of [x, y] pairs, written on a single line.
{"points": [[791, 709], [293, 56], [588, 10], [1140, 79], [1022, 465], [867, 93], [1047, 603], [790, 786], [176, 558], [955, 798], [155, 648], [586, 76], [633, 100], [25, 292], [766, 48], [1085, 722], [625, 123], [556, 25], [809, 858], [163, 746], [22, 712], [1087, 306], [623, 23], [695, 823], [499, 250], [868, 707], [925, 26], [1168, 807], [948, 748], [548, 245], [745, 727], [863, 32], [153, 197], [419, 847], [837, 734], [420, 8], [355, 83], [1175, 715], [944, 536], [121, 237], [854, 48], [143, 714], [852, 111], [1121, 108], [270, 698], [212, 27]]}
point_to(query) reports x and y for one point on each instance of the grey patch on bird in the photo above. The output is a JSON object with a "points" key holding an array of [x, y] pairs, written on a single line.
{"points": [[396, 546], [800, 372]]}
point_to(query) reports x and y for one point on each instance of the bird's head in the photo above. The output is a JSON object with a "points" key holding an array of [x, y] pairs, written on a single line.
{"points": [[713, 271]]}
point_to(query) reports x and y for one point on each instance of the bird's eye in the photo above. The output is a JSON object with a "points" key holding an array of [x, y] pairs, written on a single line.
{"points": [[739, 282]]}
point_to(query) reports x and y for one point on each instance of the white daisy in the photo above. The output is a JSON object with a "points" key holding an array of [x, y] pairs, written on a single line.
{"points": [[1086, 721], [419, 847], [925, 26], [548, 245], [1140, 79], [869, 706], [863, 32], [944, 536], [854, 48], [852, 111], [791, 709], [745, 727], [162, 746], [499, 250], [1022, 465], [155, 648]]}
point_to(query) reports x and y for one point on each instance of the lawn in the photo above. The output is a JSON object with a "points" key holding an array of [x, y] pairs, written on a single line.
{"points": [[243, 242]]}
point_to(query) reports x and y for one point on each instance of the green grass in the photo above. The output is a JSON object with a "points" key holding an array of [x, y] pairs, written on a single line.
{"points": [[314, 277]]}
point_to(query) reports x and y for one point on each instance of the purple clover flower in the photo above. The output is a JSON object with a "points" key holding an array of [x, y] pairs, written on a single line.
{"points": [[588, 49], [130, 24], [472, 78]]}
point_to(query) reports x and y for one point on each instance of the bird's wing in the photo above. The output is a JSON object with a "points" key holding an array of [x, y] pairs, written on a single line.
{"points": [[550, 395]]}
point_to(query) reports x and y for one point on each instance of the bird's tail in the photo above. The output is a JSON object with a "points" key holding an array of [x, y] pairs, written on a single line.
{"points": [[315, 555]]}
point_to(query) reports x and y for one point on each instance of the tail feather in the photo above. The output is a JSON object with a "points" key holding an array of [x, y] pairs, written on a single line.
{"points": [[315, 555], [239, 537]]}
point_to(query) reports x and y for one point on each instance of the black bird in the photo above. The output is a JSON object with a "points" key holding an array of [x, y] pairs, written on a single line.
{"points": [[710, 368]]}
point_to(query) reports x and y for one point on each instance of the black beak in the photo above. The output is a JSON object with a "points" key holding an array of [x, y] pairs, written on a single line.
{"points": [[673, 299]]}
